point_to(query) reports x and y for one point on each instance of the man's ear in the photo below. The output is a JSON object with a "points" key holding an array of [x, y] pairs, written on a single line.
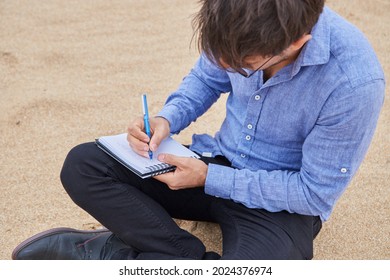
{"points": [[298, 44]]}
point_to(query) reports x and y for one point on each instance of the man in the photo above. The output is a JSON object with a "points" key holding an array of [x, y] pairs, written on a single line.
{"points": [[305, 91]]}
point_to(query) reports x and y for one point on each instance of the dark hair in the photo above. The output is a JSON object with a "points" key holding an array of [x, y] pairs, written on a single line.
{"points": [[234, 29]]}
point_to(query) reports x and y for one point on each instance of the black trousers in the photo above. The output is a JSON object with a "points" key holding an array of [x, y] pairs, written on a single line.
{"points": [[140, 211]]}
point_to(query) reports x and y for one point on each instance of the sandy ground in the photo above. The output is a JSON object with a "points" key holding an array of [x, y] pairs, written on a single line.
{"points": [[71, 71]]}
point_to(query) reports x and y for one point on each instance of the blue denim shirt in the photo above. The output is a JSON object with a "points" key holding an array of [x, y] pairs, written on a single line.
{"points": [[296, 140]]}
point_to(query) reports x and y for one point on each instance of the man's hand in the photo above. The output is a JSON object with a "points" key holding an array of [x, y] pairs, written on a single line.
{"points": [[138, 139], [189, 173]]}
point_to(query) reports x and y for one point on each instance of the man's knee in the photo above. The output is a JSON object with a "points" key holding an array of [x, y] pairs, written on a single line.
{"points": [[75, 168]]}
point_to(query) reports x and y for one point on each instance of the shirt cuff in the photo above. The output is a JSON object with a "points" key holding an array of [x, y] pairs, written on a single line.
{"points": [[219, 181], [167, 112]]}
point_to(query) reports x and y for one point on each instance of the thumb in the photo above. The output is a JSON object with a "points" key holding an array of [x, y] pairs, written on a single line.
{"points": [[155, 141], [170, 159], [160, 127]]}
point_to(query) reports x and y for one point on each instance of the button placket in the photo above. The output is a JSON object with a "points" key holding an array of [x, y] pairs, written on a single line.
{"points": [[249, 129]]}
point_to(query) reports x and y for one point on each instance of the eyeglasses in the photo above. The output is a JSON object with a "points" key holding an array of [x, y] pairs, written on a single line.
{"points": [[248, 73]]}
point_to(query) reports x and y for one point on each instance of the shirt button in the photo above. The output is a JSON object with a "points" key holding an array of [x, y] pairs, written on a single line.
{"points": [[243, 156], [249, 126], [257, 97], [248, 137], [343, 170]]}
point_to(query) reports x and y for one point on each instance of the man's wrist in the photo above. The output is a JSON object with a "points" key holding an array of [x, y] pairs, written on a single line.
{"points": [[161, 118]]}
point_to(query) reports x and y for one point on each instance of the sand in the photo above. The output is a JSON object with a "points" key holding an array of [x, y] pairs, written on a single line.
{"points": [[71, 71]]}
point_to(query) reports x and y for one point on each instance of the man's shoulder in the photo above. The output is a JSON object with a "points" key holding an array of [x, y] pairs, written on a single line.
{"points": [[352, 51]]}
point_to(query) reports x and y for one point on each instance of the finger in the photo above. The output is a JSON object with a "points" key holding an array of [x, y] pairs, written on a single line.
{"points": [[169, 179], [171, 159], [138, 146], [136, 130], [137, 139], [155, 141], [165, 178]]}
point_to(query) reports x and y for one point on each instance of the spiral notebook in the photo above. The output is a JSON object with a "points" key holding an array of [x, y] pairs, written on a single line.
{"points": [[117, 147]]}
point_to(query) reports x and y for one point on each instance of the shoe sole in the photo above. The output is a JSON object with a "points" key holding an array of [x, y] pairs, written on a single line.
{"points": [[50, 232]]}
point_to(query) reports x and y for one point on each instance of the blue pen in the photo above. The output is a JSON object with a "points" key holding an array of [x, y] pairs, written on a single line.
{"points": [[146, 121]]}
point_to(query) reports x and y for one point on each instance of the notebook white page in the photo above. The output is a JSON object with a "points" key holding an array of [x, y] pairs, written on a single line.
{"points": [[118, 147]]}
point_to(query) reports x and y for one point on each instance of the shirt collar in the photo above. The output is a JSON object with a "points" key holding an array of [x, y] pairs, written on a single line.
{"points": [[317, 50]]}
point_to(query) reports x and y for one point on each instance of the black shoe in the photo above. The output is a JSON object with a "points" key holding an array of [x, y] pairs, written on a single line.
{"points": [[70, 244]]}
